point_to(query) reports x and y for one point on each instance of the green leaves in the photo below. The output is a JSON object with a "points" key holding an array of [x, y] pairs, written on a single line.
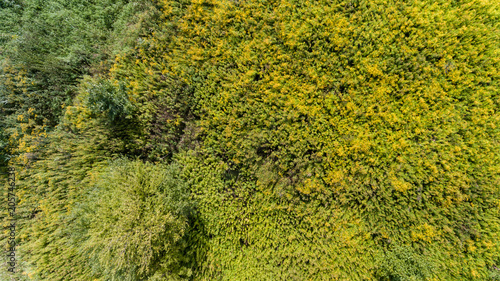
{"points": [[136, 216], [110, 99], [402, 263]]}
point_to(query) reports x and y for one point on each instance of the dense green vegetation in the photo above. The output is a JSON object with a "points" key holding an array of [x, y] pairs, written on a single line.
{"points": [[253, 140]]}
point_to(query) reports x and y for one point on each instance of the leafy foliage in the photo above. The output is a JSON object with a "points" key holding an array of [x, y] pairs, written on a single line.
{"points": [[136, 216], [105, 97], [402, 263]]}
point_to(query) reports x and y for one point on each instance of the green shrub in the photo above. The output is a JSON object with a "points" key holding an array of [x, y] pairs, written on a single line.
{"points": [[403, 264], [136, 217], [104, 97]]}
